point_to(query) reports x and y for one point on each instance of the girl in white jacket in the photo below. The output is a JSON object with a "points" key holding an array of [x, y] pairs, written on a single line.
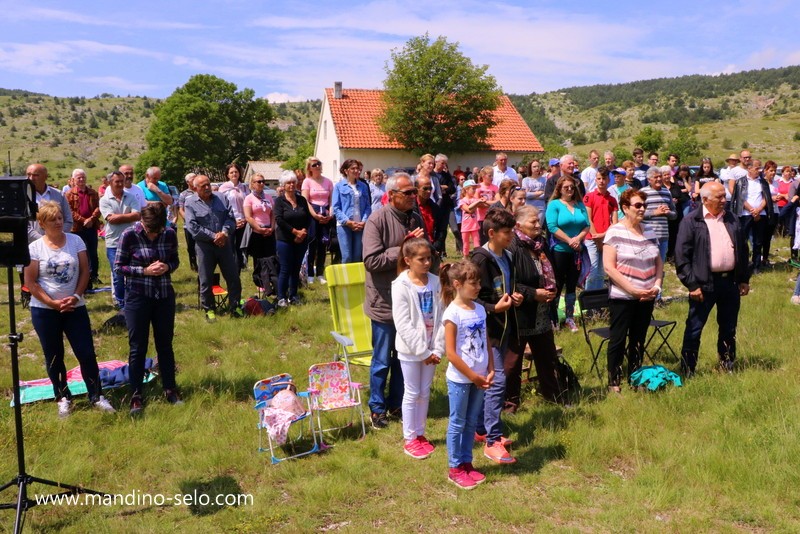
{"points": [[417, 310]]}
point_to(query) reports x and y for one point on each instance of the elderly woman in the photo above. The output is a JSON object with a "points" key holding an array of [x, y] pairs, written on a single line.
{"points": [[377, 188], [57, 277], [318, 191], [258, 207], [535, 280], [632, 261], [660, 209], [568, 222], [147, 255], [235, 191], [351, 207], [292, 222]]}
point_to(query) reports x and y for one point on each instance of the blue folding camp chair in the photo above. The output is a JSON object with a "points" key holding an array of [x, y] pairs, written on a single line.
{"points": [[264, 391]]}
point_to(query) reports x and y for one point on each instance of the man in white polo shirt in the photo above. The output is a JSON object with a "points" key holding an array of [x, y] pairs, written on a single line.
{"points": [[502, 170]]}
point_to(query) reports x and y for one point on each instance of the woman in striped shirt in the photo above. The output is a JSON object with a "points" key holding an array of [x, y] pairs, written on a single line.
{"points": [[633, 264]]}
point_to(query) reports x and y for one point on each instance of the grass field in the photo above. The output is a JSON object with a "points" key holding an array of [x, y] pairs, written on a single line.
{"points": [[718, 455]]}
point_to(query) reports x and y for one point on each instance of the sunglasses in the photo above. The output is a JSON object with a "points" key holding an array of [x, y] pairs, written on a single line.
{"points": [[427, 188], [567, 187], [407, 192], [315, 165], [638, 205], [259, 181]]}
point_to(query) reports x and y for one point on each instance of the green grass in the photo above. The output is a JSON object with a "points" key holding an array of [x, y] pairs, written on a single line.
{"points": [[718, 455]]}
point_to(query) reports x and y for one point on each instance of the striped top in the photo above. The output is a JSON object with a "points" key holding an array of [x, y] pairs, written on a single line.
{"points": [[636, 258], [658, 224]]}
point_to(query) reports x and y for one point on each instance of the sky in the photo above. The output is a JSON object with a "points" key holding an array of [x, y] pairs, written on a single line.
{"points": [[288, 51]]}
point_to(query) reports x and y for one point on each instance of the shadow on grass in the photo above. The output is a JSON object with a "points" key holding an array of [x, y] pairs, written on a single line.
{"points": [[240, 388], [210, 496]]}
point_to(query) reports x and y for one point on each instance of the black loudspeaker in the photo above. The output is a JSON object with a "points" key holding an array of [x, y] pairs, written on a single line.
{"points": [[17, 207]]}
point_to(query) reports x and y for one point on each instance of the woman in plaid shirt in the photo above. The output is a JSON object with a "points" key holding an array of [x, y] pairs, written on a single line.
{"points": [[147, 253]]}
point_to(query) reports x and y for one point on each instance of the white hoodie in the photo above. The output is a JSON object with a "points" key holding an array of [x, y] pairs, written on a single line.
{"points": [[411, 341]]}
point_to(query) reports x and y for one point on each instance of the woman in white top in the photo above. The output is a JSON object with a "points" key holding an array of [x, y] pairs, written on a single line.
{"points": [[57, 277], [236, 191]]}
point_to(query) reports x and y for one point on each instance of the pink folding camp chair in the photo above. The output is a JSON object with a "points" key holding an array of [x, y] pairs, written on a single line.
{"points": [[331, 390]]}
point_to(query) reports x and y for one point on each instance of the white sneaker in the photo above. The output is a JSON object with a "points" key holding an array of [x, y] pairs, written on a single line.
{"points": [[103, 405], [321, 280], [795, 299], [310, 280], [64, 407]]}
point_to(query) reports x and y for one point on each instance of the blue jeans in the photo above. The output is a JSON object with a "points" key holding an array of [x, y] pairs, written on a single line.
{"points": [[597, 274], [51, 326], [290, 258], [465, 410], [349, 244], [493, 400], [117, 280], [663, 246], [384, 361], [140, 313]]}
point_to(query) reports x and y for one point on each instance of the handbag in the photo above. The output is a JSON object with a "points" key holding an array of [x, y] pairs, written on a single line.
{"points": [[583, 264]]}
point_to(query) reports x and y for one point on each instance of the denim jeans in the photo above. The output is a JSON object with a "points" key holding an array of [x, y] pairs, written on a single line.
{"points": [[140, 313], [494, 399], [597, 274], [465, 411], [290, 258], [51, 326], [727, 300], [117, 280], [384, 361], [349, 244]]}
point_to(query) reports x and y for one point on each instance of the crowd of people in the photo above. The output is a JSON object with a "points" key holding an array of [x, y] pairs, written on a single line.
{"points": [[527, 237]]}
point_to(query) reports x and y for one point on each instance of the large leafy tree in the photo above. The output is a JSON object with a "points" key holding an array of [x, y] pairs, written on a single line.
{"points": [[649, 139], [206, 124], [436, 100]]}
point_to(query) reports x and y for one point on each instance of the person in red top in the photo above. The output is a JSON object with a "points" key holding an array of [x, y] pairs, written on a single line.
{"points": [[433, 217], [602, 210], [84, 202]]}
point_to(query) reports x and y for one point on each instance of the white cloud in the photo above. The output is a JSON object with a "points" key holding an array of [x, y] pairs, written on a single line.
{"points": [[278, 98]]}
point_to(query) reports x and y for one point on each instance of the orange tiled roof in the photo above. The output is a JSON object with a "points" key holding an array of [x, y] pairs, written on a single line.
{"points": [[355, 119]]}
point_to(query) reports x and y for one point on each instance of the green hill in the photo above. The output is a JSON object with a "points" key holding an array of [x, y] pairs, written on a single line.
{"points": [[759, 109]]}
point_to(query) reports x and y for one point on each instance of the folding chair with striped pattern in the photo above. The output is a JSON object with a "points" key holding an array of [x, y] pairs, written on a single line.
{"points": [[352, 329]]}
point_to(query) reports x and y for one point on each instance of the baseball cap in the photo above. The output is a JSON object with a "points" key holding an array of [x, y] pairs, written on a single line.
{"points": [[555, 161]]}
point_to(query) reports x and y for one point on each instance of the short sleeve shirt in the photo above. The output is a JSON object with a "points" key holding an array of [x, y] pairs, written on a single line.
{"points": [[58, 269], [470, 341], [319, 193]]}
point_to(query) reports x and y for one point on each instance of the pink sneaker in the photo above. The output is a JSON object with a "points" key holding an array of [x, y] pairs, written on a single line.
{"points": [[481, 438], [475, 475], [427, 444], [460, 478], [416, 449], [498, 453]]}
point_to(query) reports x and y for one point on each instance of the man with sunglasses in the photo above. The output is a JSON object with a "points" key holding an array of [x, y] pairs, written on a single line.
{"points": [[711, 261], [384, 233]]}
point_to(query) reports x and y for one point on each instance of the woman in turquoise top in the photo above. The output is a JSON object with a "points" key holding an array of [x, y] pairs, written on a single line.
{"points": [[568, 223]]}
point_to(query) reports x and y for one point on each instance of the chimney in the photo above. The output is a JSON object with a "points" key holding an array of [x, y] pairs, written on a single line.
{"points": [[337, 89]]}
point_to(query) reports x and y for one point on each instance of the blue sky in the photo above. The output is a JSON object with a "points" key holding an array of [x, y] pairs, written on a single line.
{"points": [[293, 50]]}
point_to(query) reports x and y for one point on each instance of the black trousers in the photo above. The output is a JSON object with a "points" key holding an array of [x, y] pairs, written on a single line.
{"points": [[630, 320], [140, 313], [755, 231], [727, 300], [545, 357]]}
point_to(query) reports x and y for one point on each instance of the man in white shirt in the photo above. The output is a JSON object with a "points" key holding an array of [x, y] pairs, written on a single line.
{"points": [[731, 174], [120, 210], [502, 171], [589, 174]]}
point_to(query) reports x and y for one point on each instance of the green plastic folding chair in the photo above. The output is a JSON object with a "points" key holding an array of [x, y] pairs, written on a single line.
{"points": [[352, 329]]}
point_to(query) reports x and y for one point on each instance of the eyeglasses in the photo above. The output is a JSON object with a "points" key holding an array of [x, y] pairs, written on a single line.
{"points": [[407, 192], [315, 165], [259, 181], [567, 187], [427, 188], [637, 205]]}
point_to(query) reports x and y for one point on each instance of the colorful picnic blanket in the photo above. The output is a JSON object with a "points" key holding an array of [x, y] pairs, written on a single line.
{"points": [[113, 374]]}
